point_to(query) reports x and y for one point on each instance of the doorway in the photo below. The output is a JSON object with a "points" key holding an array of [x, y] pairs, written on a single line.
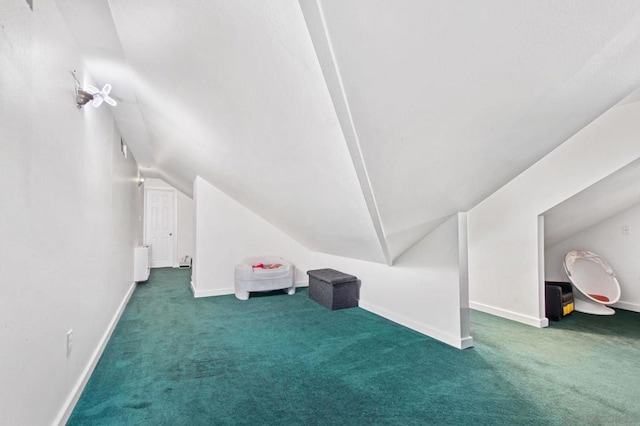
{"points": [[159, 226]]}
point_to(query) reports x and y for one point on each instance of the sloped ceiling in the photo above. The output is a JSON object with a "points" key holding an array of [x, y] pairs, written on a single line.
{"points": [[355, 126], [451, 100], [607, 198]]}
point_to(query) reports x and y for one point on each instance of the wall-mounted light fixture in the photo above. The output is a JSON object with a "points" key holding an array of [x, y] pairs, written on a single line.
{"points": [[82, 97], [92, 94]]}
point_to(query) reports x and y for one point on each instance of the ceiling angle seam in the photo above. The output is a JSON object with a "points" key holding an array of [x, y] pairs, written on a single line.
{"points": [[341, 104]]}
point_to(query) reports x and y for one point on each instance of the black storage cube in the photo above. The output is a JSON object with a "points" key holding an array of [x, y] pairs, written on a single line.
{"points": [[333, 289], [558, 299]]}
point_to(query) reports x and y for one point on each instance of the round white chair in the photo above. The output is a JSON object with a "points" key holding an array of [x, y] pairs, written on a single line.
{"points": [[594, 282]]}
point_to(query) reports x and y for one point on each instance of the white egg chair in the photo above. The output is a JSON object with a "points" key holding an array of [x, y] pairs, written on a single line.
{"points": [[594, 282]]}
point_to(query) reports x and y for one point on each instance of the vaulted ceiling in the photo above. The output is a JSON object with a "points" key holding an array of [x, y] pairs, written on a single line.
{"points": [[356, 126]]}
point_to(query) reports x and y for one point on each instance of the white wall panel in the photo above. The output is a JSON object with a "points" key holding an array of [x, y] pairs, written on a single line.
{"points": [[226, 233], [68, 217], [503, 229]]}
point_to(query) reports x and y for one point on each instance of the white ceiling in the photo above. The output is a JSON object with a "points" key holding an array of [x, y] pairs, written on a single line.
{"points": [[612, 195], [451, 100], [419, 109]]}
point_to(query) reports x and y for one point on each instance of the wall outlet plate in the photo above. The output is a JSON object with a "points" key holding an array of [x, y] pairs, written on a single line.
{"points": [[69, 342]]}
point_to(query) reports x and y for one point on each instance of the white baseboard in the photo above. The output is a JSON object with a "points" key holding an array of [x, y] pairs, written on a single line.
{"points": [[455, 341], [213, 292], [72, 399], [514, 316], [227, 291], [627, 306], [466, 343]]}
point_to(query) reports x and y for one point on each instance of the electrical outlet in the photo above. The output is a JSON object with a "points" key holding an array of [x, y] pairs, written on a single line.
{"points": [[69, 342], [625, 229]]}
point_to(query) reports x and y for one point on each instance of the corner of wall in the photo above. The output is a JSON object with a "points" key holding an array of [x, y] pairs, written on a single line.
{"points": [[226, 233]]}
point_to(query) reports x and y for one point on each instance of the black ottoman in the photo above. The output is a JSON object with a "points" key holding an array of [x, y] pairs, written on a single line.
{"points": [[333, 289]]}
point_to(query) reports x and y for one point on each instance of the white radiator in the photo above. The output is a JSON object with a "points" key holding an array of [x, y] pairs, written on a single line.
{"points": [[141, 263]]}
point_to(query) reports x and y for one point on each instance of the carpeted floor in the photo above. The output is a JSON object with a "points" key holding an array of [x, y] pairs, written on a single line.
{"points": [[285, 360]]}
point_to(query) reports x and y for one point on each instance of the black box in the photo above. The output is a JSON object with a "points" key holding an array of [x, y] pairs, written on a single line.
{"points": [[333, 289]]}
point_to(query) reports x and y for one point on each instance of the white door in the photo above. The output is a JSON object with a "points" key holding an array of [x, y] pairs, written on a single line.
{"points": [[159, 226]]}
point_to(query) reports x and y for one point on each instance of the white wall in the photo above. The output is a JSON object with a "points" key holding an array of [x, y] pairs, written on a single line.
{"points": [[619, 250], [425, 290], [68, 218], [184, 220], [427, 287], [503, 229], [225, 233]]}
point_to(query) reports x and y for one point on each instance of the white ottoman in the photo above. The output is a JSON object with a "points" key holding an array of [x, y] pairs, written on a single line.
{"points": [[248, 278]]}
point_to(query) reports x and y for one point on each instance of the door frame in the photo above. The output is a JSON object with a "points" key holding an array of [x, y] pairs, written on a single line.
{"points": [[151, 186]]}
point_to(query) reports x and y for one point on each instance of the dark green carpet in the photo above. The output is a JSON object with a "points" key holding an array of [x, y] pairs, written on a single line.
{"points": [[285, 360]]}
